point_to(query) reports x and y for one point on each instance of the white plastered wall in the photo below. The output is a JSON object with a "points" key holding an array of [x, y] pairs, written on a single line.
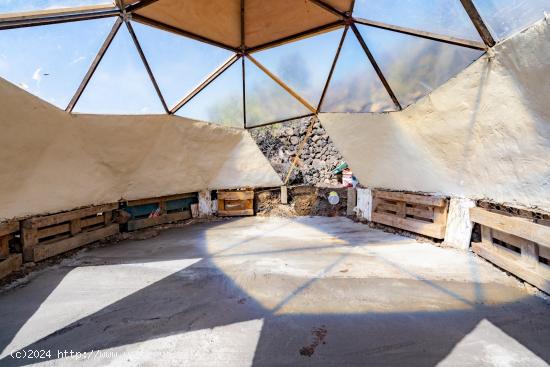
{"points": [[52, 161], [484, 134]]}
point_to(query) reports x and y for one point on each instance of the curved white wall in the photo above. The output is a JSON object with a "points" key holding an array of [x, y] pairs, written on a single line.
{"points": [[484, 134], [52, 161]]}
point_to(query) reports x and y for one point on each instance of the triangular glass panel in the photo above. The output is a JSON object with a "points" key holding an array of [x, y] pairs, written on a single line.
{"points": [[355, 86], [303, 65], [19, 6], [120, 85], [427, 64], [267, 101], [178, 63], [445, 17], [221, 101], [50, 61], [505, 17]]}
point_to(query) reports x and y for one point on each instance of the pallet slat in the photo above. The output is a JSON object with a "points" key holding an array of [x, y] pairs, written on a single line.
{"points": [[53, 219], [11, 264], [136, 224], [235, 203], [45, 251], [517, 226], [427, 229]]}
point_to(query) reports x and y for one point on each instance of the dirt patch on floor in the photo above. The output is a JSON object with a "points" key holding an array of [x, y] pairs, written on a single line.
{"points": [[302, 201]]}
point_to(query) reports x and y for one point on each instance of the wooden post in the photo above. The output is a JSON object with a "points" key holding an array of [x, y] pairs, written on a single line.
{"points": [[75, 226], [284, 195], [29, 238], [5, 247], [352, 201]]}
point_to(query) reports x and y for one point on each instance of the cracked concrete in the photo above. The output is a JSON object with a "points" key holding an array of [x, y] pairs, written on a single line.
{"points": [[271, 292]]}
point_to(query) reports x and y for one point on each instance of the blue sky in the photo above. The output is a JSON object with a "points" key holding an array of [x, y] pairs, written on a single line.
{"points": [[50, 61]]}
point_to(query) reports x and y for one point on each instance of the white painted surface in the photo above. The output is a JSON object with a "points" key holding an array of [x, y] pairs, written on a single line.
{"points": [[459, 226], [205, 203], [364, 203], [484, 134]]}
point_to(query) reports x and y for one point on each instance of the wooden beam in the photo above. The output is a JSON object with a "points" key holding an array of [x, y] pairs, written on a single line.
{"points": [[328, 8], [333, 66], [422, 34], [243, 41], [482, 29], [94, 64], [375, 66], [55, 16], [295, 37], [282, 84], [146, 64], [209, 79], [181, 32], [281, 121]]}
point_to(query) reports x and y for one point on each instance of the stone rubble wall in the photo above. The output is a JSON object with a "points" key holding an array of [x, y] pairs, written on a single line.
{"points": [[280, 143]]}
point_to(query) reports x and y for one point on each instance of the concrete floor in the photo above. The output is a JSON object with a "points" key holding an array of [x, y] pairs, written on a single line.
{"points": [[272, 292]]}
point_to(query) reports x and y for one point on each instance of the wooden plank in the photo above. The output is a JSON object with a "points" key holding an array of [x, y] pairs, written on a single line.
{"points": [[284, 195], [136, 224], [235, 213], [519, 227], [54, 230], [428, 229], [29, 239], [411, 198], [235, 195], [53, 219], [440, 215], [42, 252], [544, 252], [4, 247], [75, 226], [88, 222], [427, 213], [8, 228], [539, 277], [160, 198], [11, 264], [351, 201], [387, 207]]}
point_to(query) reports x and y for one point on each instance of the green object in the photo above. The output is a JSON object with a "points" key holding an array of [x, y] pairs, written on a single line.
{"points": [[342, 166]]}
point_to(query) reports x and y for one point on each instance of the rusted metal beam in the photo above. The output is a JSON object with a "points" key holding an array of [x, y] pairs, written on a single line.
{"points": [[47, 17], [138, 5], [146, 64], [243, 43], [244, 91], [281, 121], [482, 29], [94, 64], [282, 84], [331, 9], [375, 66], [422, 34], [295, 37], [333, 66], [209, 79], [181, 32]]}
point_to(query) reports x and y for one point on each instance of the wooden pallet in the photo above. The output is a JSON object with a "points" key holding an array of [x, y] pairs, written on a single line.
{"points": [[423, 214], [50, 235], [9, 262], [515, 244], [235, 203], [161, 210]]}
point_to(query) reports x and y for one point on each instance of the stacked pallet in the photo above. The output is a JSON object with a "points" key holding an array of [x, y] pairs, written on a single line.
{"points": [[9, 262], [50, 235], [423, 214], [235, 203], [515, 244], [161, 210]]}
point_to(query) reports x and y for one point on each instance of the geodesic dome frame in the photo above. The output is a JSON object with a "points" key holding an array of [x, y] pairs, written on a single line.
{"points": [[243, 27]]}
